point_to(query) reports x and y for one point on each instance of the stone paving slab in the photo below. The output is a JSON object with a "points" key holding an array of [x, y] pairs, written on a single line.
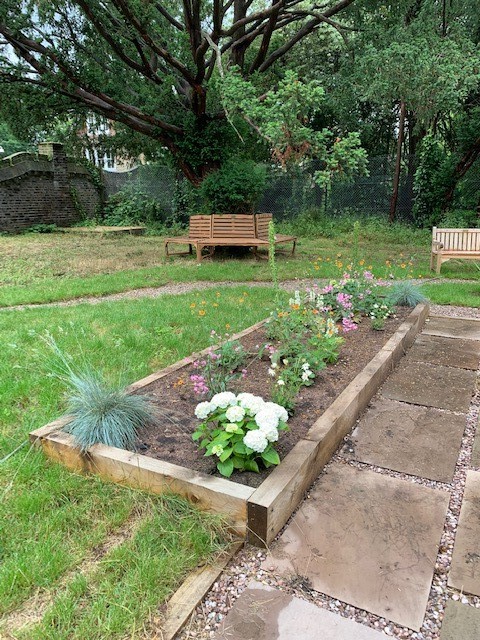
{"points": [[465, 570], [464, 354], [264, 613], [431, 386], [453, 327], [461, 622], [406, 438], [367, 539], [476, 447]]}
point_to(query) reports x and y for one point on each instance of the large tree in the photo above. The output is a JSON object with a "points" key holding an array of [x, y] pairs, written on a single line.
{"points": [[154, 65]]}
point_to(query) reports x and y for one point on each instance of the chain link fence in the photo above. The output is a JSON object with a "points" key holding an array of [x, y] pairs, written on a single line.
{"points": [[289, 194]]}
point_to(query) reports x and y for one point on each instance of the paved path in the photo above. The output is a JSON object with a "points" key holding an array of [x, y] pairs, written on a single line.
{"points": [[377, 530]]}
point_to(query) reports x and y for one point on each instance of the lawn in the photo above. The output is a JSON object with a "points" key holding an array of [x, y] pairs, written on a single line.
{"points": [[77, 552], [82, 558]]}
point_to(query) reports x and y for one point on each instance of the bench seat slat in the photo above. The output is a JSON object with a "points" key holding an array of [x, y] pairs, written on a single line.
{"points": [[454, 243]]}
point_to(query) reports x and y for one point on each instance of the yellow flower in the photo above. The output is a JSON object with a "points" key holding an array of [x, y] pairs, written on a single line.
{"points": [[339, 264], [227, 326], [240, 300], [388, 263], [218, 294], [203, 303], [370, 266], [361, 263], [328, 259], [339, 255], [202, 312], [403, 265], [214, 304], [420, 275], [295, 307], [349, 267], [193, 305], [316, 267]]}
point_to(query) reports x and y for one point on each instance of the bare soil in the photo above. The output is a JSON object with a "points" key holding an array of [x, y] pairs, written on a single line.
{"points": [[170, 439]]}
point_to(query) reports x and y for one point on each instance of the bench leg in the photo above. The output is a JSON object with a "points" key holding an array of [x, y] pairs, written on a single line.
{"points": [[438, 264], [293, 248]]}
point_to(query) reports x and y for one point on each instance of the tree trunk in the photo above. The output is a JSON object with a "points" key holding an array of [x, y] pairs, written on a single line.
{"points": [[463, 165], [396, 177]]}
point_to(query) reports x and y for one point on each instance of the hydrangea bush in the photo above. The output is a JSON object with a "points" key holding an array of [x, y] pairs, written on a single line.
{"points": [[240, 430]]}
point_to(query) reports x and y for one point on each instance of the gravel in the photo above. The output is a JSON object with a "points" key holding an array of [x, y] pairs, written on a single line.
{"points": [[246, 566]]}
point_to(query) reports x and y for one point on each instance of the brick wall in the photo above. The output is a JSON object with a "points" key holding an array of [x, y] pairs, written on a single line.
{"points": [[38, 190]]}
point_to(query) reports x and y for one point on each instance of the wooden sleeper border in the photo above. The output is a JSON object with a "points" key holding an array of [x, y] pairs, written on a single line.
{"points": [[256, 513]]}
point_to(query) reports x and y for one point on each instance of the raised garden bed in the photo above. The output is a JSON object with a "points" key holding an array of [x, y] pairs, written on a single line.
{"points": [[324, 415]]}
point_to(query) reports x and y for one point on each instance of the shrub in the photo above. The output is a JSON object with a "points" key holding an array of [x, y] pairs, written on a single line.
{"points": [[131, 206], [406, 294], [240, 431], [235, 187], [461, 219]]}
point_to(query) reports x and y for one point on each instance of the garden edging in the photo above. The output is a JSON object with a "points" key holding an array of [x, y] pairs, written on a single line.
{"points": [[258, 513]]}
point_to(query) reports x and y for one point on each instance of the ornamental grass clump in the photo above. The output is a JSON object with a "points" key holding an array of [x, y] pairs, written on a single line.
{"points": [[406, 294], [104, 414], [240, 430]]}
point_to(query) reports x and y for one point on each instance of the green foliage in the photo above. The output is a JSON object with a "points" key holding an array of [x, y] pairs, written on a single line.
{"points": [[9, 144], [240, 431], [235, 187], [215, 371], [432, 178], [406, 294], [461, 219], [132, 206], [283, 119], [42, 228]]}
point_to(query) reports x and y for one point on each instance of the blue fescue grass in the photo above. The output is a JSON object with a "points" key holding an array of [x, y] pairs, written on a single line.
{"points": [[406, 294]]}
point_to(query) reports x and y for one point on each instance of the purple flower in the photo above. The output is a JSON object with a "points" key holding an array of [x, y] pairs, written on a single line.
{"points": [[368, 275]]}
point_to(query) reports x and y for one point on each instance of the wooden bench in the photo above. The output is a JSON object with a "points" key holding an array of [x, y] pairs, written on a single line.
{"points": [[227, 230], [448, 244]]}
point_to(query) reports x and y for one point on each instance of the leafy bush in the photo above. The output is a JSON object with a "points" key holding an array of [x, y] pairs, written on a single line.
{"points": [[42, 228], [235, 187], [461, 219], [406, 294], [240, 431], [131, 206]]}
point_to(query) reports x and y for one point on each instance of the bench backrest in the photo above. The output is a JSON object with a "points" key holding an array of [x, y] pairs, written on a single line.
{"points": [[233, 225], [262, 221], [457, 239], [200, 227]]}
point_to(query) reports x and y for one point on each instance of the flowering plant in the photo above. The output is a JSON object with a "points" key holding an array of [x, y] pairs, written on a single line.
{"points": [[240, 430], [215, 371]]}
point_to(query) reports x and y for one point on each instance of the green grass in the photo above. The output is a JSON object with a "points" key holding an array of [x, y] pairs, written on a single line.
{"points": [[461, 294], [51, 519]]}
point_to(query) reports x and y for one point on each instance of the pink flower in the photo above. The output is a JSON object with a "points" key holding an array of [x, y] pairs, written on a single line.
{"points": [[348, 325], [368, 275], [328, 288]]}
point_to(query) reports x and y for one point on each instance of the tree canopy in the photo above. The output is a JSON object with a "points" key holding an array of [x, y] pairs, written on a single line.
{"points": [[152, 65]]}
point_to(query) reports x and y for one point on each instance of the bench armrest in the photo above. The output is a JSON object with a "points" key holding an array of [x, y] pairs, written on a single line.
{"points": [[437, 244]]}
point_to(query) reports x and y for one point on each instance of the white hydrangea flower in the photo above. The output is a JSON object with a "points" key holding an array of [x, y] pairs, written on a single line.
{"points": [[250, 403], [305, 376], [305, 366], [217, 450], [231, 427], [255, 440], [280, 382], [279, 411], [223, 400], [266, 419], [271, 433], [203, 410], [235, 413]]}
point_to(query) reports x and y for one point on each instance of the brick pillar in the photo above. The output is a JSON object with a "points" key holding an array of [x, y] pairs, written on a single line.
{"points": [[62, 201]]}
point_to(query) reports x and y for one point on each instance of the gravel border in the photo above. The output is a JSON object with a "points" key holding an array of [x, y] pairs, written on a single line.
{"points": [[247, 564], [186, 287]]}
